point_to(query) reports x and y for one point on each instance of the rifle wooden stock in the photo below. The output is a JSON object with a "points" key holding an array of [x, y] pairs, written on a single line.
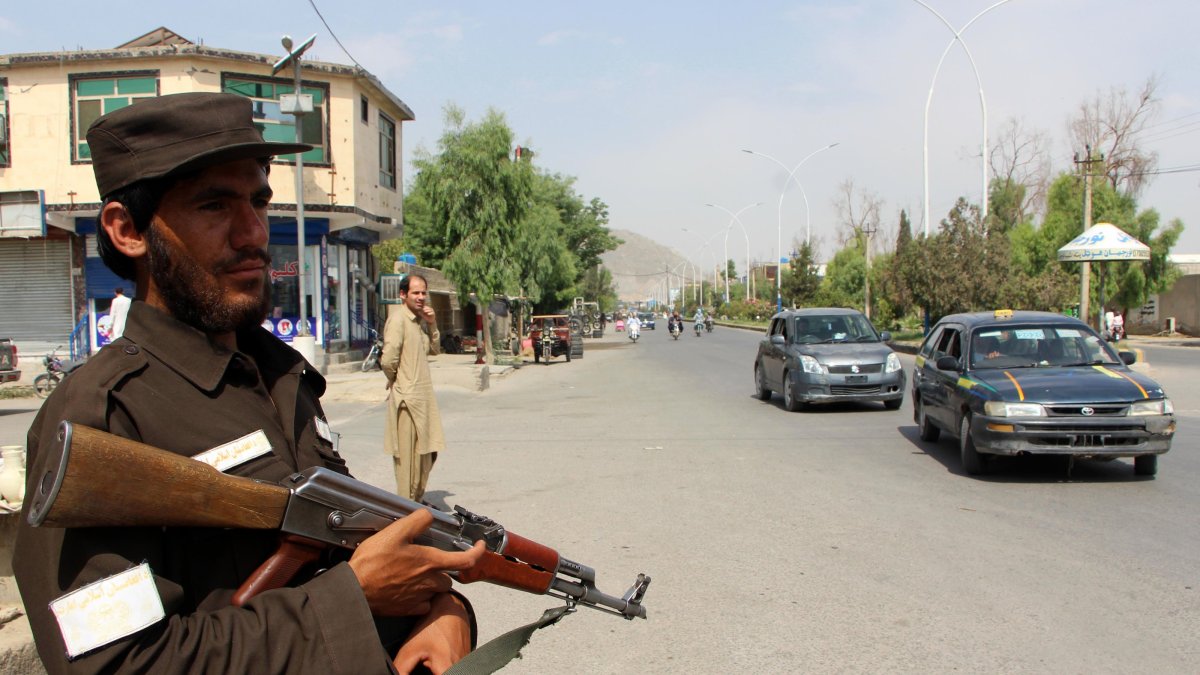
{"points": [[97, 479]]}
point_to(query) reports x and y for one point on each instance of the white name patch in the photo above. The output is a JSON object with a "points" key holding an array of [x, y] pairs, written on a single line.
{"points": [[108, 610], [236, 452], [323, 429]]}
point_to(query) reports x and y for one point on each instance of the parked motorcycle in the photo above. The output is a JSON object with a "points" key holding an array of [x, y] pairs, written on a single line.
{"points": [[371, 362], [56, 370]]}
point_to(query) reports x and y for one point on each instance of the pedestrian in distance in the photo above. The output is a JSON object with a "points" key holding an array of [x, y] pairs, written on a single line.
{"points": [[184, 184], [413, 435], [117, 312]]}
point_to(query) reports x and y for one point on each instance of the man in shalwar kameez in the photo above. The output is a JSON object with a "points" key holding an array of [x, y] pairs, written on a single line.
{"points": [[413, 434]]}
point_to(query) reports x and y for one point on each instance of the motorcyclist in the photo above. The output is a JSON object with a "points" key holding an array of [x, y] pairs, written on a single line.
{"points": [[633, 326], [699, 319], [675, 322]]}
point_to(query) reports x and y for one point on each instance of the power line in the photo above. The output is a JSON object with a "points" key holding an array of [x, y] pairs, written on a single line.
{"points": [[334, 35]]}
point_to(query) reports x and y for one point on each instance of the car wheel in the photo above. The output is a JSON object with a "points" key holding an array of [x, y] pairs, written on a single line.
{"points": [[1145, 465], [761, 390], [893, 404], [929, 431], [789, 395], [973, 462]]}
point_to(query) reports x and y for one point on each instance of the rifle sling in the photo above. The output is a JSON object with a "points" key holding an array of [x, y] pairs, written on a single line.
{"points": [[498, 652]]}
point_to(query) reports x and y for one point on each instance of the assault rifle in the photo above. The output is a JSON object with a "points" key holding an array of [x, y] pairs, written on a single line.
{"points": [[96, 479]]}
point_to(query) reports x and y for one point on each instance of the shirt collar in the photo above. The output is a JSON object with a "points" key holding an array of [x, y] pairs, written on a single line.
{"points": [[189, 352]]}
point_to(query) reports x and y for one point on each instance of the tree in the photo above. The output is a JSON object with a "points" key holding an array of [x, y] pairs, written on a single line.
{"points": [[1020, 165], [891, 280], [800, 280], [499, 226], [1111, 123], [598, 283]]}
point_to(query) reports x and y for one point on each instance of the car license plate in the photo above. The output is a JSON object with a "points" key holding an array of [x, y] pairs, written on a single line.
{"points": [[856, 379]]}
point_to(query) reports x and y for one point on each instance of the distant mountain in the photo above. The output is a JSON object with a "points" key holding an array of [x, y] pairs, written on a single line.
{"points": [[639, 265]]}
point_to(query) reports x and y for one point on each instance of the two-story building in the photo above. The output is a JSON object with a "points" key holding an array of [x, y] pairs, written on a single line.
{"points": [[52, 282]]}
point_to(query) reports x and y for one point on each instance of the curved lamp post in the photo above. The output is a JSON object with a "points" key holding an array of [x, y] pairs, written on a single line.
{"points": [[779, 217], [733, 218], [982, 102]]}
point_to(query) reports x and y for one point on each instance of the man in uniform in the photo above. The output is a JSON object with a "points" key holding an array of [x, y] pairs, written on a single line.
{"points": [[184, 183], [413, 434]]}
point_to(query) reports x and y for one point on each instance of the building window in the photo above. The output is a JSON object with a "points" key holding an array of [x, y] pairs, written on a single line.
{"points": [[366, 119], [278, 126], [93, 96], [4, 128], [387, 152]]}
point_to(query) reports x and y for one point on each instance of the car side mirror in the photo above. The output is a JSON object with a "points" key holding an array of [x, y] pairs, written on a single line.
{"points": [[777, 339], [1128, 358], [885, 336], [947, 363]]}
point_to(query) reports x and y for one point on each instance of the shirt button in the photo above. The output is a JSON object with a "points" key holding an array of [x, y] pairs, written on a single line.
{"points": [[131, 349]]}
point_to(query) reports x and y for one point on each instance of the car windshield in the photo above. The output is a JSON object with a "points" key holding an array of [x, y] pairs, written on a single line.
{"points": [[815, 329], [1038, 346]]}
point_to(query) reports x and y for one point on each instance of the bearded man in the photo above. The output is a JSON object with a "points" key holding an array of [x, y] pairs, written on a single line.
{"points": [[185, 190]]}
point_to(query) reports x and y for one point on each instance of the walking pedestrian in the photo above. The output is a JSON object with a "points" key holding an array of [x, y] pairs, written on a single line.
{"points": [[117, 311]]}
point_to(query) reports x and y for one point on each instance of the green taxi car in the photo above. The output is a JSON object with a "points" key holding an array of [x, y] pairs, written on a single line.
{"points": [[1016, 383]]}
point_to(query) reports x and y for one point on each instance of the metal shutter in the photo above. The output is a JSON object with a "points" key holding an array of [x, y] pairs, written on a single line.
{"points": [[35, 290]]}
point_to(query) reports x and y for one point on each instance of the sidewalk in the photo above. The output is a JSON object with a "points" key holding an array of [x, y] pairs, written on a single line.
{"points": [[347, 382]]}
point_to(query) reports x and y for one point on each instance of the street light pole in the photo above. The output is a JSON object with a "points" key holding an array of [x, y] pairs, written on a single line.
{"points": [[733, 218], [982, 102], [779, 217], [303, 341]]}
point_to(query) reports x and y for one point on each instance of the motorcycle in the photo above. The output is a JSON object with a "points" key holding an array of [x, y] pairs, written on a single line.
{"points": [[699, 326], [371, 362], [56, 370], [708, 324], [675, 329], [634, 332]]}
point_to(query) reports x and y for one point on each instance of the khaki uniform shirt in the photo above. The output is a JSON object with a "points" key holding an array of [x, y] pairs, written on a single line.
{"points": [[405, 362], [166, 385]]}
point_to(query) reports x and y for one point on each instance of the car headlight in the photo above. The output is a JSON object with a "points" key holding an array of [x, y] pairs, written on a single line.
{"points": [[1160, 407], [893, 363], [810, 365], [1010, 409]]}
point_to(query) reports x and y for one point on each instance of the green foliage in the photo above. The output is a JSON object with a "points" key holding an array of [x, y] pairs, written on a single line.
{"points": [[386, 252], [498, 226], [843, 285], [598, 283], [801, 280]]}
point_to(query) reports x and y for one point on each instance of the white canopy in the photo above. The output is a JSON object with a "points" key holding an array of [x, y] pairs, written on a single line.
{"points": [[1103, 241]]}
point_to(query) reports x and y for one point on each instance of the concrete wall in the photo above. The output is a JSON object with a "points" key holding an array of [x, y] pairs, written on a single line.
{"points": [[39, 108]]}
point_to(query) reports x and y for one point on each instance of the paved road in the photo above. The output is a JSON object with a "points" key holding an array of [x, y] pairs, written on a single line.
{"points": [[810, 542], [830, 541]]}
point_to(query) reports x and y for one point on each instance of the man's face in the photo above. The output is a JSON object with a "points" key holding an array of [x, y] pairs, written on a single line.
{"points": [[417, 295], [208, 260]]}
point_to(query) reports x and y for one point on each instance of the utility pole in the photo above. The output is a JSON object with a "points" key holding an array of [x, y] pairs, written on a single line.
{"points": [[867, 231], [1086, 271]]}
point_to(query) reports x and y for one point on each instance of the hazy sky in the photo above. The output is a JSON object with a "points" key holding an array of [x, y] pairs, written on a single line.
{"points": [[650, 104]]}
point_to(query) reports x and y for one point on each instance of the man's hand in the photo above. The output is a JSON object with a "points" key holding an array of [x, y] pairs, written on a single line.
{"points": [[400, 578], [440, 640], [427, 315]]}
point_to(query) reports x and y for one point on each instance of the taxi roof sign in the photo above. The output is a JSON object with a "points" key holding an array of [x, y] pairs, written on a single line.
{"points": [[1003, 314]]}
